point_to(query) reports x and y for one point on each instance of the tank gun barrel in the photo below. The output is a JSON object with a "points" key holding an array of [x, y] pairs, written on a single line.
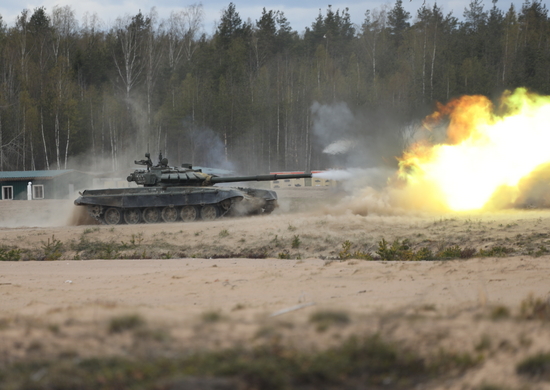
{"points": [[234, 179], [162, 175]]}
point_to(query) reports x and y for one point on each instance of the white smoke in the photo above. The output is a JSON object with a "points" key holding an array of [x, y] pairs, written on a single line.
{"points": [[335, 174], [331, 122], [208, 149], [352, 179], [339, 147]]}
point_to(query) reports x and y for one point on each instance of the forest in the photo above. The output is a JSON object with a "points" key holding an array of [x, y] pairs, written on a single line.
{"points": [[253, 96]]}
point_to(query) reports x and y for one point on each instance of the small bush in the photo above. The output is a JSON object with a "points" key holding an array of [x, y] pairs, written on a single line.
{"points": [[52, 249], [10, 254], [537, 366], [396, 251], [211, 317], [345, 253], [424, 254], [535, 308], [500, 312], [296, 242], [325, 319], [102, 250], [136, 239], [484, 344], [452, 252], [124, 323], [496, 251], [467, 253], [385, 251], [284, 255]]}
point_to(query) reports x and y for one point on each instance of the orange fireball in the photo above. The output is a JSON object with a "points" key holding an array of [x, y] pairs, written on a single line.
{"points": [[484, 152]]}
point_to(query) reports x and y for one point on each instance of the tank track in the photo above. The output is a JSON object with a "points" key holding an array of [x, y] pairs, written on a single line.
{"points": [[116, 216]]}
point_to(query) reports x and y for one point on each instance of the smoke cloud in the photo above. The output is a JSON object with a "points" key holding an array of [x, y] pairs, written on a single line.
{"points": [[339, 147], [208, 149], [362, 148]]}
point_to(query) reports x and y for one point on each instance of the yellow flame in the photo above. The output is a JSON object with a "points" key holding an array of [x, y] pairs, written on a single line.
{"points": [[484, 151]]}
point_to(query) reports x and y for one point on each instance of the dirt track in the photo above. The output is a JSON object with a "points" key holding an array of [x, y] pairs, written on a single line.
{"points": [[50, 308]]}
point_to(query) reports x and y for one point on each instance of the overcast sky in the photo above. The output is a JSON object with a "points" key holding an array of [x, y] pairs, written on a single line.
{"points": [[301, 14]]}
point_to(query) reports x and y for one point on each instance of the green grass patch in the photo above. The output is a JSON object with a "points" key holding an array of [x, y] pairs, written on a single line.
{"points": [[496, 251], [403, 250]]}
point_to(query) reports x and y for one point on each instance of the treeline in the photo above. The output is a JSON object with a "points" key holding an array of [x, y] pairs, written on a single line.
{"points": [[257, 95]]}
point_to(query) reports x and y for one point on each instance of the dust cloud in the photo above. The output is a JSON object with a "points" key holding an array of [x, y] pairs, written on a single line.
{"points": [[42, 213]]}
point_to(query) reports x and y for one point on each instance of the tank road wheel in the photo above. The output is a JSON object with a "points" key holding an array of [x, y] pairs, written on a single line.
{"points": [[169, 214], [188, 213], [112, 216], [270, 205], [151, 215], [225, 205], [132, 216], [95, 210], [210, 212]]}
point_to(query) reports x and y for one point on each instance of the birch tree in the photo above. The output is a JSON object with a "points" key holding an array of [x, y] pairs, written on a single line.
{"points": [[129, 34]]}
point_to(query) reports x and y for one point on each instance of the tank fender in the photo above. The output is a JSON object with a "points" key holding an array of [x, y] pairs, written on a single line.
{"points": [[101, 201]]}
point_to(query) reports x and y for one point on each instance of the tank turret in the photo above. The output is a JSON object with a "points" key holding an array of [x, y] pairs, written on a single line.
{"points": [[181, 193], [162, 175]]}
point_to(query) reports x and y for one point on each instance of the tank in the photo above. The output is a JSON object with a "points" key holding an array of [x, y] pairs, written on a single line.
{"points": [[170, 194]]}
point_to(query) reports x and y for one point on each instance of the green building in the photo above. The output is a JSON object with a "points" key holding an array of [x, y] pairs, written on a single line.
{"points": [[55, 184]]}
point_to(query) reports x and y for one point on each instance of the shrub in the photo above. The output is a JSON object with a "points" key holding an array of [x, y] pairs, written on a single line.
{"points": [[500, 312], [452, 252], [10, 254], [496, 251], [535, 308], [325, 319], [396, 251], [211, 317], [126, 322], [537, 366], [52, 249]]}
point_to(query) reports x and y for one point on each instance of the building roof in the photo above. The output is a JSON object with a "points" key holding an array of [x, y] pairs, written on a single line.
{"points": [[32, 175]]}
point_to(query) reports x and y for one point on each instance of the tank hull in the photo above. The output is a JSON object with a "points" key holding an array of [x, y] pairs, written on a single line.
{"points": [[171, 204]]}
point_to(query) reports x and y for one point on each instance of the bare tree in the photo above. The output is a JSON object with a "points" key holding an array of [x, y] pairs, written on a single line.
{"points": [[65, 27], [21, 32], [152, 53], [129, 64], [372, 29], [182, 30]]}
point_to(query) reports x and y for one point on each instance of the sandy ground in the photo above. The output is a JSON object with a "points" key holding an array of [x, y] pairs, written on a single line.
{"points": [[64, 307]]}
